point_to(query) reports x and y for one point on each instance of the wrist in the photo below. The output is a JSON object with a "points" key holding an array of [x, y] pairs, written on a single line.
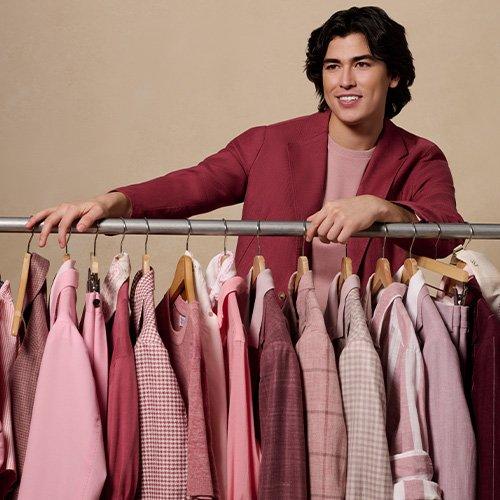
{"points": [[116, 204], [392, 212]]}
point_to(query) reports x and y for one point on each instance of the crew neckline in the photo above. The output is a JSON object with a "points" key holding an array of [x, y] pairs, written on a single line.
{"points": [[350, 153]]}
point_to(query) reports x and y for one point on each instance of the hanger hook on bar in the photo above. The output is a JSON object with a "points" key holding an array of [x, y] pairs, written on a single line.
{"points": [[471, 234], [123, 234], [414, 236], [67, 240], [30, 238], [437, 241], [304, 238], [258, 238], [147, 236], [95, 238], [385, 238], [189, 234], [225, 236]]}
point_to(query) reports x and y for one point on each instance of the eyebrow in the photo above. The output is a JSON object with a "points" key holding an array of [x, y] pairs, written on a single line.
{"points": [[354, 59]]}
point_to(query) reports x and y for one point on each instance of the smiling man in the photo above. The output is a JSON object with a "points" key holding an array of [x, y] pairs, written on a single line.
{"points": [[341, 168]]}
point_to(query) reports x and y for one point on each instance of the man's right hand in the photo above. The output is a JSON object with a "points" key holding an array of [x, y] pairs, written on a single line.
{"points": [[107, 205]]}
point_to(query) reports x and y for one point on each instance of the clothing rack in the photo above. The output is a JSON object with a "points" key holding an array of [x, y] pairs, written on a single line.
{"points": [[216, 227]]}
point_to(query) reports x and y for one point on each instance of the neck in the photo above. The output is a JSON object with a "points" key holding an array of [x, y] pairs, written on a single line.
{"points": [[359, 136]]}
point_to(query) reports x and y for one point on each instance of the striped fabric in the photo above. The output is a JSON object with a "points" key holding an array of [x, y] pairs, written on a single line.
{"points": [[363, 394], [8, 346], [325, 425], [162, 415], [24, 373], [393, 334]]}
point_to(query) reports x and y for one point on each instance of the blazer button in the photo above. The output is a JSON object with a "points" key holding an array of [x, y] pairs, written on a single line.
{"points": [[282, 295]]}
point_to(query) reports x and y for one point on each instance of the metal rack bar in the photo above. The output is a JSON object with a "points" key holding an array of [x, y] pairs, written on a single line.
{"points": [[216, 227]]}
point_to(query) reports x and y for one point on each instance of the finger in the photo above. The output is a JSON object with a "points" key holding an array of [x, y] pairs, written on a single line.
{"points": [[315, 220], [39, 216], [335, 230], [48, 224], [325, 226], [89, 218], [347, 231], [69, 216]]}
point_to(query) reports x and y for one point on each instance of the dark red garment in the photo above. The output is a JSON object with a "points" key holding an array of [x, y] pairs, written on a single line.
{"points": [[123, 406], [281, 416], [279, 172], [484, 391]]}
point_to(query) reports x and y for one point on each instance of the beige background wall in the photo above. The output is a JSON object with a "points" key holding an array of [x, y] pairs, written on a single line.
{"points": [[98, 94]]}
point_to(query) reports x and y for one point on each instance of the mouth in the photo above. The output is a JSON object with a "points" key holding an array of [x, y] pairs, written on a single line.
{"points": [[349, 98]]}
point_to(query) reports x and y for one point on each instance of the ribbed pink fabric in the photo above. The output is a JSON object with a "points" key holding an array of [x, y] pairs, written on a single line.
{"points": [[243, 454], [93, 330], [65, 454], [8, 346], [344, 172]]}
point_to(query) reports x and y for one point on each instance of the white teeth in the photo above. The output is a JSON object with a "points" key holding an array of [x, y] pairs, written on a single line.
{"points": [[349, 98]]}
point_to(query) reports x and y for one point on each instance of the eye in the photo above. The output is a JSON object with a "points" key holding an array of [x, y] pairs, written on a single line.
{"points": [[364, 64], [331, 66]]}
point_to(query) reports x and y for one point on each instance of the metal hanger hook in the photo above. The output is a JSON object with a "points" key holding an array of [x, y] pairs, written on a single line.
{"points": [[225, 236], [304, 238], [67, 240], [385, 238], [414, 236], [147, 236], [258, 238], [190, 229], [30, 238], [123, 234], [471, 235], [437, 241], [95, 238]]}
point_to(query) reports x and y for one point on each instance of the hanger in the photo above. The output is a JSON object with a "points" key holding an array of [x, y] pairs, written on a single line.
{"points": [[93, 273], [302, 263], [21, 294], [451, 270], [183, 281], [66, 255], [410, 266], [224, 257], [455, 261], [345, 269], [259, 263], [383, 275], [146, 260]]}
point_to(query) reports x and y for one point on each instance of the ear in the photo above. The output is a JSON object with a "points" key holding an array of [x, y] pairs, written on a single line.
{"points": [[394, 81]]}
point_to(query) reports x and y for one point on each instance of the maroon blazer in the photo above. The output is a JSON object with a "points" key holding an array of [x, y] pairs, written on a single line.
{"points": [[279, 171]]}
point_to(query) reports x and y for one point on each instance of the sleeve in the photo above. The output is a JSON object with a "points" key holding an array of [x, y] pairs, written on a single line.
{"points": [[432, 199], [217, 181]]}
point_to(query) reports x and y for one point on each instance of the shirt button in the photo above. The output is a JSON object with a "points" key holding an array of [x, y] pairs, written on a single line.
{"points": [[282, 295]]}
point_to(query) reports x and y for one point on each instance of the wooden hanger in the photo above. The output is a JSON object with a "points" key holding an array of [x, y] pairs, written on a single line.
{"points": [[146, 260], [410, 266], [383, 275], [453, 270], [183, 281], [345, 269], [93, 274], [259, 263], [21, 293], [302, 262], [66, 255]]}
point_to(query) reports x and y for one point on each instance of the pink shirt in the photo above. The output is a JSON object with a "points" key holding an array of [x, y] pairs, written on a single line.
{"points": [[344, 172], [242, 450], [65, 454]]}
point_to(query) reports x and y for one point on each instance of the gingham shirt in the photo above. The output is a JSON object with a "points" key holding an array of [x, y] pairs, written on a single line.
{"points": [[162, 415], [363, 394]]}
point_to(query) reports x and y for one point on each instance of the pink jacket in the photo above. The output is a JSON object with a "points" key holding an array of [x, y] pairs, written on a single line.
{"points": [[65, 453]]}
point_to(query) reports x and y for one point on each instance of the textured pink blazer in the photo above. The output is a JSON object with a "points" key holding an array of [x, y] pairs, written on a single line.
{"points": [[279, 172]]}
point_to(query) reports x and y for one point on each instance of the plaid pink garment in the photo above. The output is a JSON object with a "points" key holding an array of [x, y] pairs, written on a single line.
{"points": [[24, 372], [394, 336], [8, 346], [325, 425], [363, 394], [162, 415]]}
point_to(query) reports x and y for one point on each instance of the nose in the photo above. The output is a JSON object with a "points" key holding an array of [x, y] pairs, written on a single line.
{"points": [[347, 78]]}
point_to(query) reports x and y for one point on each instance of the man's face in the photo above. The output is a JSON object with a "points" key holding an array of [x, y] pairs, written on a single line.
{"points": [[350, 70]]}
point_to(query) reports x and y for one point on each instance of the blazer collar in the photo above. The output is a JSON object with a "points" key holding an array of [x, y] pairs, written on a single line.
{"points": [[308, 164]]}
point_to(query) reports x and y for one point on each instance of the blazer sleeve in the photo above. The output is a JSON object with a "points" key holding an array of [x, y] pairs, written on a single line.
{"points": [[432, 199], [217, 181]]}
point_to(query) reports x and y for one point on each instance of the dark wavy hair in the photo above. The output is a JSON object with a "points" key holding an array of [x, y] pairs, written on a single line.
{"points": [[386, 39]]}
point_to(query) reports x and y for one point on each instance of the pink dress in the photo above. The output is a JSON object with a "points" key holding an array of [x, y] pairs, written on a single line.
{"points": [[65, 454], [243, 454]]}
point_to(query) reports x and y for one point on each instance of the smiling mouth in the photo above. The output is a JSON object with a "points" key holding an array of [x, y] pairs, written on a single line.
{"points": [[349, 98]]}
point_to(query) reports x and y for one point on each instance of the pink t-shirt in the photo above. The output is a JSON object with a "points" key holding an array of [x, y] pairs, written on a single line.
{"points": [[344, 172]]}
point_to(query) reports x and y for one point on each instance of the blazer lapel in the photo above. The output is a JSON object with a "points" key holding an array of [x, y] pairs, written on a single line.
{"points": [[308, 164]]}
